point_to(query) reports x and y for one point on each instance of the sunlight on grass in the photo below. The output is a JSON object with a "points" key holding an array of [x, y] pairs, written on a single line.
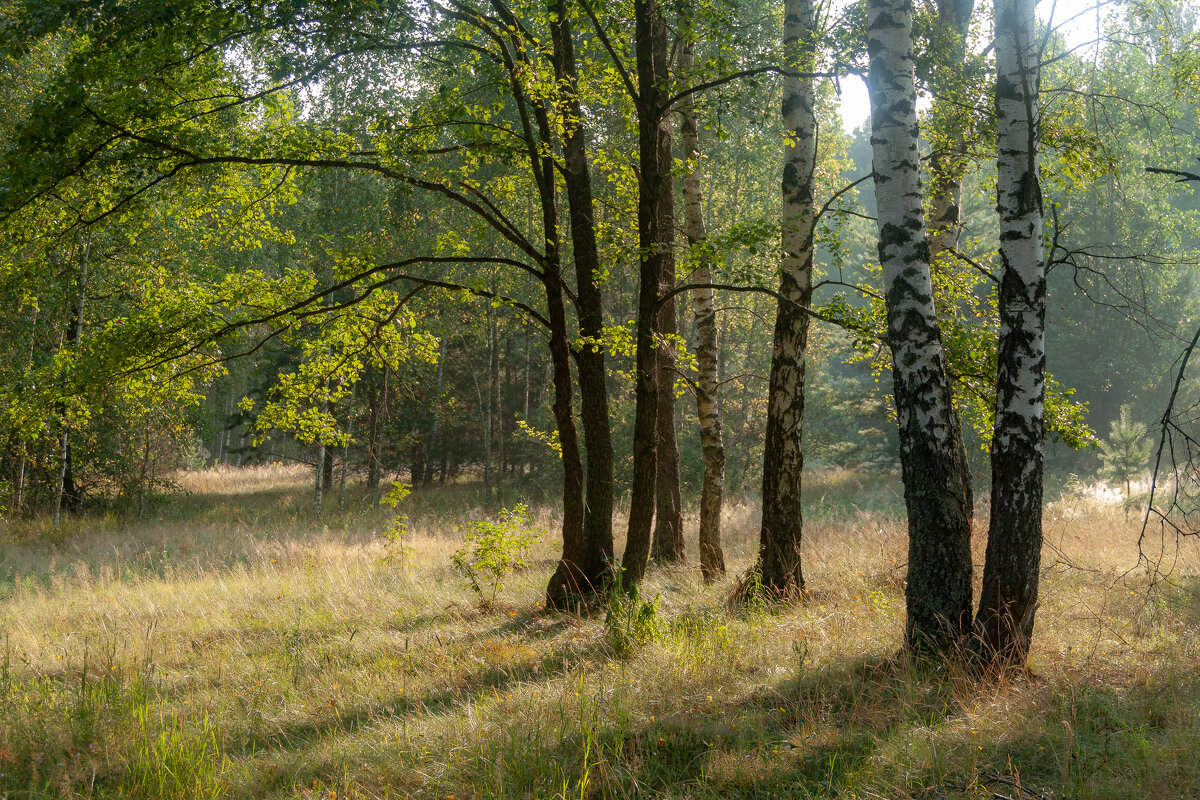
{"points": [[233, 648]]}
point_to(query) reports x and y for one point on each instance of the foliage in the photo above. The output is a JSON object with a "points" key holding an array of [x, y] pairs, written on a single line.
{"points": [[494, 550], [629, 621], [395, 536]]}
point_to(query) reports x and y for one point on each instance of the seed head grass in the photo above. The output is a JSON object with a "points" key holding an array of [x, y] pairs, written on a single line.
{"points": [[231, 646]]}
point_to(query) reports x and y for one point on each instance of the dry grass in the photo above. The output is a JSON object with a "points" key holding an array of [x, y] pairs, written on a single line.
{"points": [[229, 647]]}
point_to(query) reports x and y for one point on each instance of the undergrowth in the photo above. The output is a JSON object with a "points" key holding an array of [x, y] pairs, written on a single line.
{"points": [[200, 657]]}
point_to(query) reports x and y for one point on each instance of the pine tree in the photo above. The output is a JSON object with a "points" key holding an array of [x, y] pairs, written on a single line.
{"points": [[1126, 452]]}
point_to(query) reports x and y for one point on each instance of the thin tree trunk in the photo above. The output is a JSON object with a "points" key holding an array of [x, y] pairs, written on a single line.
{"points": [[708, 402], [378, 398], [667, 545], [542, 167], [346, 450], [949, 112], [319, 480], [489, 409], [779, 562], [655, 241], [596, 567], [435, 414], [936, 481], [66, 496], [1004, 626]]}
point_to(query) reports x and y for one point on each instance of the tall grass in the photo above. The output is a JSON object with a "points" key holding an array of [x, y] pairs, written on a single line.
{"points": [[236, 648]]}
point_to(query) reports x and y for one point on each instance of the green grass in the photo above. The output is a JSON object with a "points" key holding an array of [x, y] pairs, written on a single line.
{"points": [[233, 648]]}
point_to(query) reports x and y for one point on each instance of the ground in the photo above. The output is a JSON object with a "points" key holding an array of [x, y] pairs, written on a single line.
{"points": [[227, 646]]}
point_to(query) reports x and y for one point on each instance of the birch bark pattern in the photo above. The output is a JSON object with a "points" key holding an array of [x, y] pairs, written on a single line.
{"points": [[779, 564], [1008, 603], [708, 402], [936, 480], [655, 238]]}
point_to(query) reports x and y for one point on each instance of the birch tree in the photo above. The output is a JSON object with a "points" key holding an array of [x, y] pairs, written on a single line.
{"points": [[1010, 575], [779, 564], [708, 407], [936, 480]]}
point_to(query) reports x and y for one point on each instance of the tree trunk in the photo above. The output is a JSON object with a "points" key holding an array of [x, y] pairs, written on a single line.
{"points": [[779, 562], [655, 239], [937, 489], [1008, 603], [596, 568], [319, 480], [949, 112], [434, 415], [488, 401], [564, 585], [708, 408], [378, 398], [346, 450], [668, 544], [66, 495]]}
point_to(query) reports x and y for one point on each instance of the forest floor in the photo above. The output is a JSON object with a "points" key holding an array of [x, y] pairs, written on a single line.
{"points": [[227, 646]]}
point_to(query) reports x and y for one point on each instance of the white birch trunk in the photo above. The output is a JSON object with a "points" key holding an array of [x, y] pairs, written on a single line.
{"points": [[708, 407], [783, 460], [936, 481], [1009, 599]]}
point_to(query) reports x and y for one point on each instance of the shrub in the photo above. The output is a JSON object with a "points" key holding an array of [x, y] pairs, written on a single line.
{"points": [[494, 550]]}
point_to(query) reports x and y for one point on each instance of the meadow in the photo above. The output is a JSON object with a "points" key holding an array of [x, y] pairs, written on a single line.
{"points": [[228, 646]]}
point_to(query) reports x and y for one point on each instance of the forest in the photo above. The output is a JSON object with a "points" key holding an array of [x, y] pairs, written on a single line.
{"points": [[648, 398]]}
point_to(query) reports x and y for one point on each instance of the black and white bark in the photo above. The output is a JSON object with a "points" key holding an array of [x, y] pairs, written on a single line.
{"points": [[708, 401], [1004, 625], [779, 563], [936, 478]]}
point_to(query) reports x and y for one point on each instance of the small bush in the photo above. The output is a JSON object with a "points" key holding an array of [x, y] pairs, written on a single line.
{"points": [[494, 550], [630, 621]]}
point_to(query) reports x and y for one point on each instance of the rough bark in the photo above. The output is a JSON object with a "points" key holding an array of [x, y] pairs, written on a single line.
{"points": [[655, 238], [564, 586], [1007, 606], [708, 402], [779, 563], [596, 567], [668, 544], [936, 479]]}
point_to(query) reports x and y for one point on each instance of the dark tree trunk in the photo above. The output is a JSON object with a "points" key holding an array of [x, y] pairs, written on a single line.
{"points": [[564, 586], [1004, 627], [937, 489], [378, 398], [67, 496], [655, 240], [434, 415], [668, 544], [596, 566]]}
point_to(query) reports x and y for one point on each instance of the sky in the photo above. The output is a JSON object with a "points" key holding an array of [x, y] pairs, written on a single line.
{"points": [[1076, 19]]}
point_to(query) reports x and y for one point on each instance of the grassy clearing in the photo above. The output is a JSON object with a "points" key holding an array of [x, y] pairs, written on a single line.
{"points": [[228, 647]]}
